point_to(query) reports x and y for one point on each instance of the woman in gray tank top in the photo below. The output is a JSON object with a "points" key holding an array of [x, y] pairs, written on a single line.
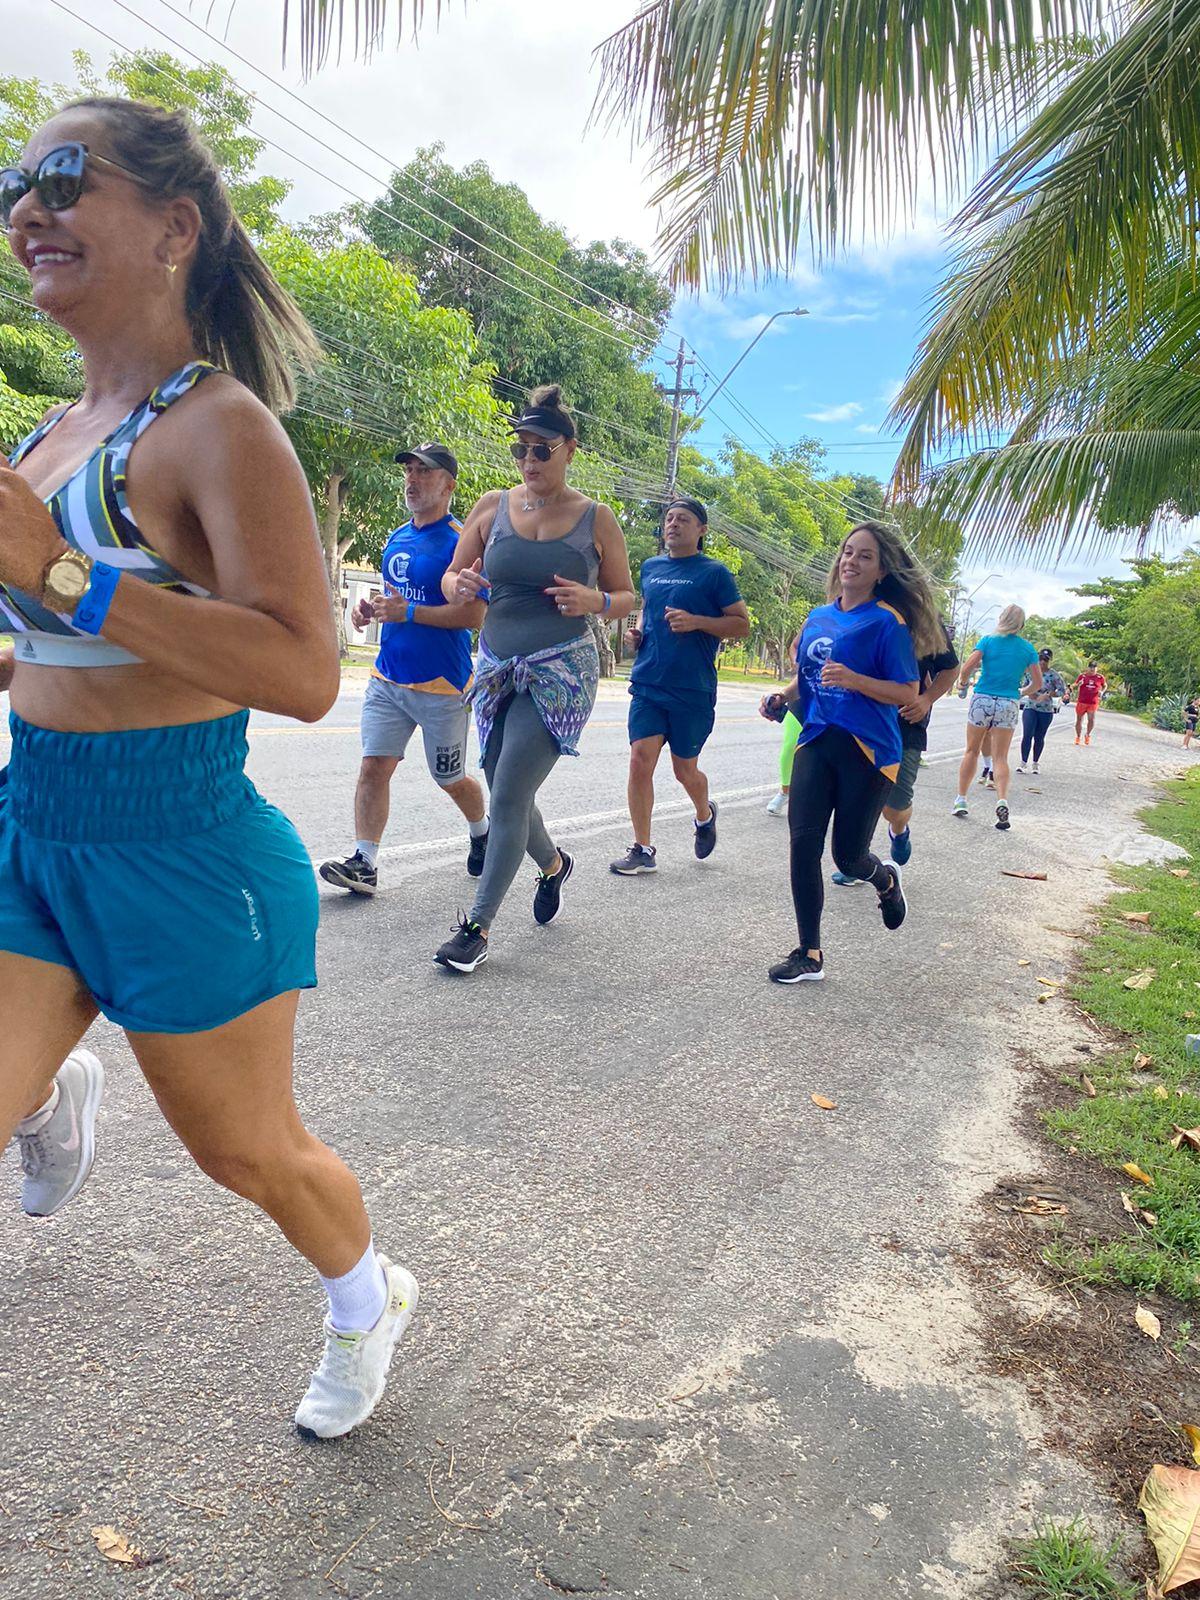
{"points": [[543, 557]]}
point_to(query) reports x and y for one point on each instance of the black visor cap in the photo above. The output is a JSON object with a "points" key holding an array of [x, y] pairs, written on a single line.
{"points": [[431, 455]]}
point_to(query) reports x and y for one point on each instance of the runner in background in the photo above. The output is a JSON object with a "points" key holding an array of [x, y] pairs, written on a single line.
{"points": [[778, 804], [1190, 713], [690, 603], [936, 673], [1089, 687], [1038, 710], [421, 674], [1003, 657]]}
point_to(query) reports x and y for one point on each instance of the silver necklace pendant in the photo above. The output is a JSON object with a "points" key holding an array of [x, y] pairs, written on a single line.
{"points": [[534, 505]]}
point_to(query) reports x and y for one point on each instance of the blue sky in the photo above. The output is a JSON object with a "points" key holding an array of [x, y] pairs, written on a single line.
{"points": [[513, 85]]}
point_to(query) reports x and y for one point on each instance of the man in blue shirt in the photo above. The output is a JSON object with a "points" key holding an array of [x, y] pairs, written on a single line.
{"points": [[421, 673], [689, 604]]}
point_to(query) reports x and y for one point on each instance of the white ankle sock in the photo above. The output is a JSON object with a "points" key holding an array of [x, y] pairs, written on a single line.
{"points": [[368, 849], [39, 1118], [478, 829], [357, 1299]]}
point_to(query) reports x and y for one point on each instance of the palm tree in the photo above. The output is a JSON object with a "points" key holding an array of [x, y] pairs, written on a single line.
{"points": [[1055, 391]]}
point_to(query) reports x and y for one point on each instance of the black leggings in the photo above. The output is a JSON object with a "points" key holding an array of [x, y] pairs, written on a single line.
{"points": [[832, 777], [1035, 725]]}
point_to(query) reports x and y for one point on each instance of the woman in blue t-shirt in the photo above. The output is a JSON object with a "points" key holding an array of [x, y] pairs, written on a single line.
{"points": [[1004, 658], [856, 663]]}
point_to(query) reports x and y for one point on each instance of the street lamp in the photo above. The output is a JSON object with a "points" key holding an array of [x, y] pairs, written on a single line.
{"points": [[794, 311]]}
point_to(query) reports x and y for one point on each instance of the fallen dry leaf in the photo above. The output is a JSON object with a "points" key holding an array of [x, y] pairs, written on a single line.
{"points": [[1161, 1092], [825, 1105], [1170, 1503], [1140, 980], [1180, 872], [1024, 963], [1193, 1437], [1051, 983], [1136, 916], [1042, 998], [114, 1546], [1185, 1136], [1040, 1205], [1141, 1062], [1129, 1202], [1148, 1323], [1134, 1171], [1150, 1218], [1011, 872], [1089, 1088]]}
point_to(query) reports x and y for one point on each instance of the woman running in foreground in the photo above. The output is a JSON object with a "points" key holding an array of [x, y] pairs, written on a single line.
{"points": [[856, 665], [160, 567]]}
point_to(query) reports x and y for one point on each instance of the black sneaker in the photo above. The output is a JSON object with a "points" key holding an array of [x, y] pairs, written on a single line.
{"points": [[356, 874], [799, 967], [893, 907], [464, 949], [706, 833], [547, 897], [1002, 821], [637, 859], [476, 854]]}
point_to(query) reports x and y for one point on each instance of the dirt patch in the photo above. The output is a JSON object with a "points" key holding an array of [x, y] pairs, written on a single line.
{"points": [[1111, 1397]]}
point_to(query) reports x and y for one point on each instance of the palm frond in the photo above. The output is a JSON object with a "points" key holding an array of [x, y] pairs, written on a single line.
{"points": [[1068, 495], [319, 27], [825, 101]]}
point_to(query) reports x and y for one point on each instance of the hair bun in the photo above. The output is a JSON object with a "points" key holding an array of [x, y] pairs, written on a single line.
{"points": [[549, 395]]}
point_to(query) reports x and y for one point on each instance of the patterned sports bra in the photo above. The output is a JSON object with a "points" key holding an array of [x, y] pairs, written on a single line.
{"points": [[93, 515]]}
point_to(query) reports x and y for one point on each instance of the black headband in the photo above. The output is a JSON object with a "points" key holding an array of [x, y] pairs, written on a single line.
{"points": [[698, 511]]}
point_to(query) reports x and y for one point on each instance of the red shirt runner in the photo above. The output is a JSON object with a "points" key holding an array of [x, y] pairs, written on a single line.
{"points": [[1089, 686]]}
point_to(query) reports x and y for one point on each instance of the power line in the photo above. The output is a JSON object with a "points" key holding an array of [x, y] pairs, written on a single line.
{"points": [[606, 331], [428, 188]]}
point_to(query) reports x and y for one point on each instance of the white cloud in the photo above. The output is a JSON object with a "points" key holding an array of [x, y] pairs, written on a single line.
{"points": [[848, 410], [868, 427]]}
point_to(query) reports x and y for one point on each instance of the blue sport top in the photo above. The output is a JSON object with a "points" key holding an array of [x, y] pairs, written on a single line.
{"points": [[1005, 659], [873, 639], [683, 664], [413, 654]]}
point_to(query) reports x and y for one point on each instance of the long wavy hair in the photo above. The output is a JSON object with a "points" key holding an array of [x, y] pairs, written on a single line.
{"points": [[903, 586]]}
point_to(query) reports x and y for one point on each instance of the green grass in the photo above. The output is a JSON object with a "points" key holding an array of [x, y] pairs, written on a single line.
{"points": [[1132, 1119], [1062, 1561]]}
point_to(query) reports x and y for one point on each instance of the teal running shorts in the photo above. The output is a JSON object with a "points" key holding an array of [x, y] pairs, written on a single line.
{"points": [[148, 863]]}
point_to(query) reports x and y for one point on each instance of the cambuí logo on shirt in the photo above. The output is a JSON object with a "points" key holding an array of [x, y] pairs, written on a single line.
{"points": [[819, 651]]}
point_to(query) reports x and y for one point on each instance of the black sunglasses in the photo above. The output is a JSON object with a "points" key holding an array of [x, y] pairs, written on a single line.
{"points": [[58, 179], [539, 452]]}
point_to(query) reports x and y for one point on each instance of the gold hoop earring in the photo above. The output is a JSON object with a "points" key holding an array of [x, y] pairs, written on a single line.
{"points": [[172, 266]]}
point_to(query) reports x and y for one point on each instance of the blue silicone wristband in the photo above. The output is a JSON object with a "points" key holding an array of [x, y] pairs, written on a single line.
{"points": [[607, 599], [92, 610], [411, 612]]}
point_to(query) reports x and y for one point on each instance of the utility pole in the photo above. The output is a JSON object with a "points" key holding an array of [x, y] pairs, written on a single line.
{"points": [[677, 396]]}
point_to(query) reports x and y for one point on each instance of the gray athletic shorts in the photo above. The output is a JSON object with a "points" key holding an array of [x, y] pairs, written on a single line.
{"points": [[901, 795], [992, 711], [391, 715]]}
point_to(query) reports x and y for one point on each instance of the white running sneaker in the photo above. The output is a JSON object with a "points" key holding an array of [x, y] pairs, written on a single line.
{"points": [[1021, 768], [57, 1159], [778, 806], [1034, 769], [348, 1384]]}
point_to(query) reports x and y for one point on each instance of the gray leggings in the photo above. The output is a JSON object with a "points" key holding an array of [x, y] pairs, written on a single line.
{"points": [[520, 756]]}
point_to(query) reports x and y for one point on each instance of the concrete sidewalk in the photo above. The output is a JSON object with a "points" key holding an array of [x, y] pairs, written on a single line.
{"points": [[682, 1333]]}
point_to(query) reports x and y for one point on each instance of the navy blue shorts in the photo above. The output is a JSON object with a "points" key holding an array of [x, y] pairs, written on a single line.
{"points": [[684, 726], [147, 863]]}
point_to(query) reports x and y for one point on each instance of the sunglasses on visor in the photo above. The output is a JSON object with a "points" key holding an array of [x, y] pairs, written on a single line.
{"points": [[58, 178], [539, 452]]}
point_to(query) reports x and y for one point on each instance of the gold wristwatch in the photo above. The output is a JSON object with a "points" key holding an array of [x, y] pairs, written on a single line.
{"points": [[66, 581]]}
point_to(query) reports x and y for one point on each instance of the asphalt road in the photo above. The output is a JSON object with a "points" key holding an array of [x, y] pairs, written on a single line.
{"points": [[681, 1333]]}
